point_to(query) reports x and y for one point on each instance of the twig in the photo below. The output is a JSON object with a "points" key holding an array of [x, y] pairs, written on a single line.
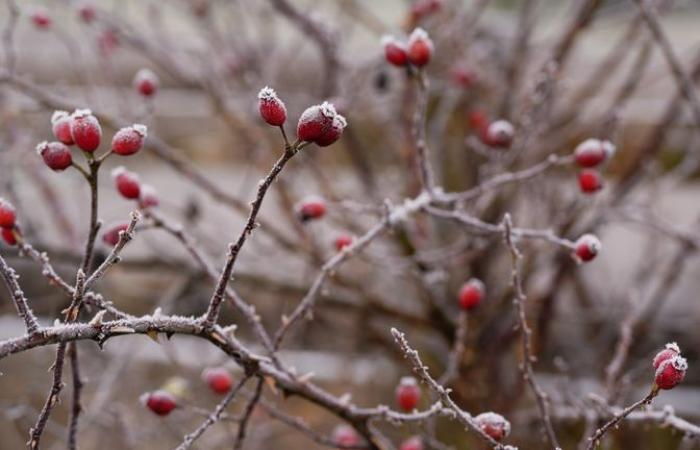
{"points": [[18, 298], [528, 357], [76, 408], [250, 407], [594, 440]]}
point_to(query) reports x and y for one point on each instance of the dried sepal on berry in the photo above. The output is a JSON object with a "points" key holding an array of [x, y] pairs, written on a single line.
{"points": [[672, 349], [272, 109], [56, 155]]}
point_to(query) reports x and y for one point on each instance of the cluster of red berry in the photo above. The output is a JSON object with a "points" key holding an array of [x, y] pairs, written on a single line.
{"points": [[589, 154], [416, 52]]}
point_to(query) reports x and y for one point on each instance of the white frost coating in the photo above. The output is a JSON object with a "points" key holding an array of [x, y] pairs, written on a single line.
{"points": [[340, 122], [679, 363], [673, 346], [419, 34], [501, 128], [118, 171], [609, 148], [268, 94], [146, 75], [42, 147], [328, 110], [593, 243], [589, 145], [312, 199], [141, 129], [495, 420], [81, 113], [408, 381], [477, 283], [388, 39], [59, 115], [410, 205]]}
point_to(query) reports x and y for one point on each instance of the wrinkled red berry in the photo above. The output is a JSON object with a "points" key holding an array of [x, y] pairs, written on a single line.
{"points": [[587, 247], [111, 234], [148, 196], [343, 241], [394, 51], [670, 351], [127, 183], [60, 125], [56, 155], [160, 402], [311, 208], [8, 235], [218, 379], [129, 140], [345, 435], [471, 294], [671, 372], [494, 425], [271, 108], [85, 130], [590, 181], [146, 82], [8, 215], [412, 443], [420, 48], [407, 394]]}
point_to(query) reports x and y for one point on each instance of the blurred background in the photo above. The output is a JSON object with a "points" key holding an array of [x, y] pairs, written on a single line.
{"points": [[212, 57]]}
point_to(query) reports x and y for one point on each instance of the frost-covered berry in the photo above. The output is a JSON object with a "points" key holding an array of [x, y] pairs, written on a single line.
{"points": [[343, 241], [8, 216], [671, 372], [494, 425], [592, 152], [271, 108], [218, 379], [148, 197], [407, 394], [85, 130], [345, 435], [315, 122], [41, 18], [590, 181], [312, 207], [127, 182], [587, 247], [60, 125], [146, 82], [129, 140], [463, 75], [111, 234], [87, 13], [394, 51], [332, 134], [420, 48], [8, 235], [161, 403], [56, 155], [471, 294], [499, 134], [672, 349], [412, 443]]}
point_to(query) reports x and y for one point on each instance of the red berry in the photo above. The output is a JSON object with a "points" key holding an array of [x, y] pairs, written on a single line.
{"points": [[587, 247], [345, 435], [148, 196], [129, 140], [407, 394], [420, 48], [394, 51], [498, 134], [332, 134], [87, 13], [271, 108], [311, 208], [471, 294], [111, 235], [41, 19], [8, 235], [85, 130], [128, 183], [590, 181], [671, 372], [56, 155], [7, 214], [592, 152], [160, 402], [146, 82], [218, 379], [494, 425], [60, 125], [478, 120], [463, 75], [412, 443], [315, 122], [670, 351], [343, 241]]}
